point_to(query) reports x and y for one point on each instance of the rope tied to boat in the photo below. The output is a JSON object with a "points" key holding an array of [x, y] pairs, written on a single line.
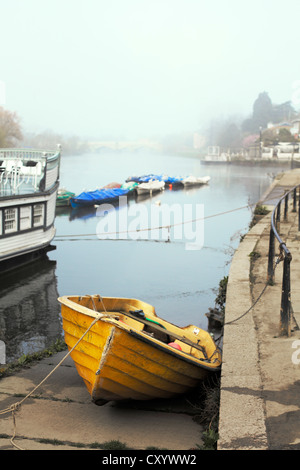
{"points": [[15, 407]]}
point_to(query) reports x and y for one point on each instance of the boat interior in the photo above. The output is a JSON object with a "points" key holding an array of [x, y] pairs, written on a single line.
{"points": [[141, 317]]}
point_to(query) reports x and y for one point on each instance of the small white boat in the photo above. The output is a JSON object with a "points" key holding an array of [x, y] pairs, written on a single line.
{"points": [[194, 180], [150, 187]]}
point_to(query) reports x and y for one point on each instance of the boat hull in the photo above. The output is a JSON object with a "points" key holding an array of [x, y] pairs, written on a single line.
{"points": [[193, 181], [32, 238], [29, 182], [63, 198], [149, 188], [120, 361]]}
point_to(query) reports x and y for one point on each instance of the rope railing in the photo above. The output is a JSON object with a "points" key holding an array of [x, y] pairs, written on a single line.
{"points": [[284, 255]]}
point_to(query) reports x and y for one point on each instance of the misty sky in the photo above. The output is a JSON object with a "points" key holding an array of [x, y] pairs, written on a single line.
{"points": [[135, 68]]}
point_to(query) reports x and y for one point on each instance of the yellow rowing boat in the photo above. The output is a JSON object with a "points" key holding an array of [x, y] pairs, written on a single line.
{"points": [[123, 350]]}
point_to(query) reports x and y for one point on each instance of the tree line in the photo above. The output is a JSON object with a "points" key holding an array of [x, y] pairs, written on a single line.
{"points": [[11, 135]]}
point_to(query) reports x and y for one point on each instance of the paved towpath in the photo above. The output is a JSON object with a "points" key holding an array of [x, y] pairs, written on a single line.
{"points": [[260, 383]]}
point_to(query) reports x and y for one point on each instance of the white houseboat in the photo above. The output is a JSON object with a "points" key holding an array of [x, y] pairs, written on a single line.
{"points": [[29, 181]]}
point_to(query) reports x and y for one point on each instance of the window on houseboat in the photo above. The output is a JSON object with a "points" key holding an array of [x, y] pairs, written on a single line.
{"points": [[38, 215], [10, 220], [25, 217]]}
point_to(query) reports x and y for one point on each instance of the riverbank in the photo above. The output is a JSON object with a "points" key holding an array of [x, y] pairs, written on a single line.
{"points": [[259, 401], [251, 163]]}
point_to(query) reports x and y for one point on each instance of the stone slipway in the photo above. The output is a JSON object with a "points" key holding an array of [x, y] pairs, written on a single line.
{"points": [[61, 416], [260, 381]]}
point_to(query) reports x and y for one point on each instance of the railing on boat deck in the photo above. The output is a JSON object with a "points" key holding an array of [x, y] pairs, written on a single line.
{"points": [[18, 166], [26, 153], [285, 255]]}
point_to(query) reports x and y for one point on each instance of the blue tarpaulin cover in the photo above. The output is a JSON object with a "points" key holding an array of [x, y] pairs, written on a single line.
{"points": [[165, 178], [99, 196], [172, 179]]}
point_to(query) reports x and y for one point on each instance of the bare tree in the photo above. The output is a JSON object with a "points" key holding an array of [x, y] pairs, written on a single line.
{"points": [[10, 129]]}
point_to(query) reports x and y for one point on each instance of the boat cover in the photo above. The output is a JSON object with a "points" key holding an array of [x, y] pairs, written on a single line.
{"points": [[99, 196], [129, 185], [172, 179], [112, 185], [151, 177], [144, 178]]}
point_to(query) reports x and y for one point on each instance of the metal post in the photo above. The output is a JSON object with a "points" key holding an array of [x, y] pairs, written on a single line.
{"points": [[286, 199], [299, 208], [285, 310], [278, 216], [270, 278], [278, 212], [294, 199]]}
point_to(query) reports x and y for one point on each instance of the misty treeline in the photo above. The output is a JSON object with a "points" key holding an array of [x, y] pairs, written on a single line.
{"points": [[236, 131], [233, 131], [11, 135], [10, 128], [49, 140]]}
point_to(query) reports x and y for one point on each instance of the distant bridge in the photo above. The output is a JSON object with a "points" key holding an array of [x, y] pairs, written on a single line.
{"points": [[96, 146]]}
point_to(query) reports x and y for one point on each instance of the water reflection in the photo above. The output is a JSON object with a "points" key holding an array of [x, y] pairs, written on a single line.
{"points": [[29, 311], [158, 273], [180, 284], [87, 212]]}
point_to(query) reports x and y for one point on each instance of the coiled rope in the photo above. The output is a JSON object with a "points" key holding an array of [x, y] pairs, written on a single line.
{"points": [[16, 406]]}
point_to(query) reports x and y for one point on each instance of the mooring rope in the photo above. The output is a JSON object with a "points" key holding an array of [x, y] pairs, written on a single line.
{"points": [[16, 406], [280, 258], [145, 229]]}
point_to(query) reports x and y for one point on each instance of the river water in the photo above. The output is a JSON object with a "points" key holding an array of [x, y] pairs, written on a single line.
{"points": [[177, 270]]}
